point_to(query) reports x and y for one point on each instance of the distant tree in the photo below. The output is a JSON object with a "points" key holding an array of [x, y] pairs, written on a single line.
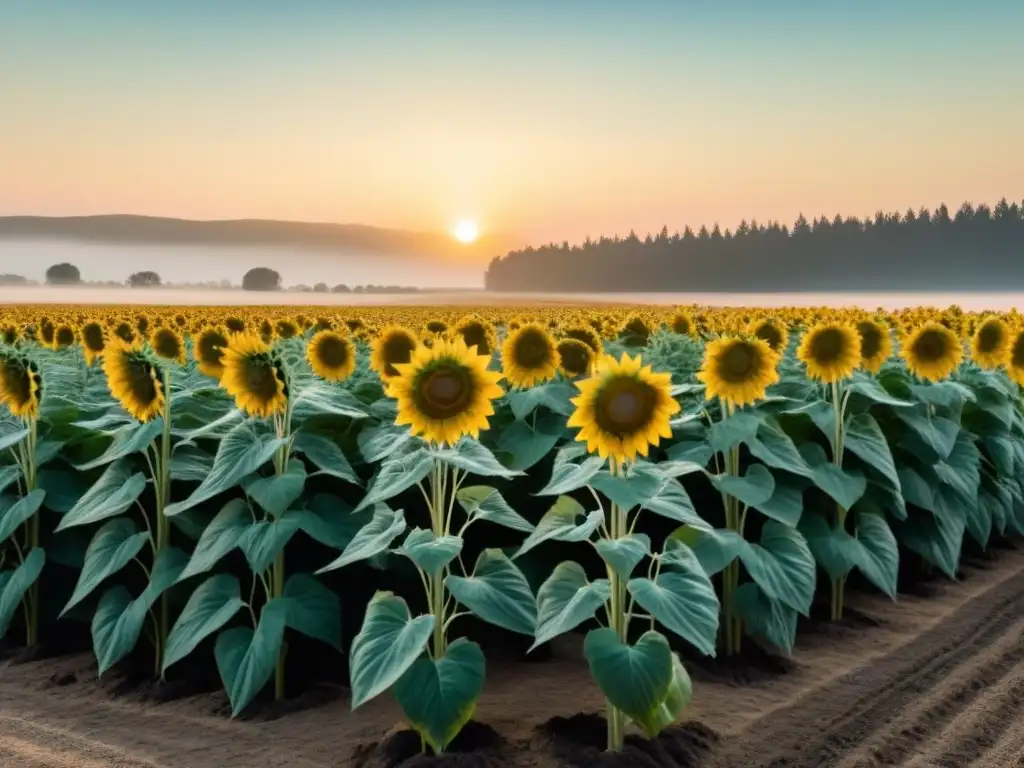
{"points": [[976, 247], [63, 274], [144, 279], [341, 288], [261, 279], [320, 288], [13, 280]]}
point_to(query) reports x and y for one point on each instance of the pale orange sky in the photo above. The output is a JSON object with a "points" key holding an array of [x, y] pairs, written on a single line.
{"points": [[550, 127]]}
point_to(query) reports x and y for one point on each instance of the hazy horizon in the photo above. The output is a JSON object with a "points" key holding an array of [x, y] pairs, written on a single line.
{"points": [[197, 264], [551, 121]]}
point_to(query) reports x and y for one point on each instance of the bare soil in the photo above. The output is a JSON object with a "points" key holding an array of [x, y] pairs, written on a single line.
{"points": [[933, 681]]}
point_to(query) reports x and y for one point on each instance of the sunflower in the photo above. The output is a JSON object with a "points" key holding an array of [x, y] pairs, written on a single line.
{"points": [[63, 336], [168, 344], [476, 332], [990, 342], [932, 351], [623, 409], [772, 331], [875, 344], [9, 334], [133, 380], [234, 324], [635, 331], [435, 327], [286, 329], [331, 355], [47, 330], [738, 370], [1015, 359], [253, 376], [529, 356], [445, 391], [682, 323], [586, 334], [575, 358], [393, 346], [20, 387], [124, 331], [830, 351], [209, 351], [266, 330]]}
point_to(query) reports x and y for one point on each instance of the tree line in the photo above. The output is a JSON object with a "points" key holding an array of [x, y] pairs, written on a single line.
{"points": [[976, 248], [256, 279]]}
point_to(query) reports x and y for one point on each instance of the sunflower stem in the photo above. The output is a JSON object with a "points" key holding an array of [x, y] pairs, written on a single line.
{"points": [[439, 524], [32, 596], [839, 402], [282, 424], [162, 486], [618, 616]]}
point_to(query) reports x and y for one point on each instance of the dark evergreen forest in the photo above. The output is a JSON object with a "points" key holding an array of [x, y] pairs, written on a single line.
{"points": [[977, 248]]}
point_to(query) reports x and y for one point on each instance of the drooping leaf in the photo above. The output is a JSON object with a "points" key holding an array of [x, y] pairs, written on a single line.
{"points": [[430, 553], [20, 510], [224, 533], [133, 437], [497, 592], [398, 473], [566, 599], [375, 537], [212, 605], [470, 455], [388, 643], [623, 554], [482, 502], [313, 609], [246, 659], [112, 547], [115, 490], [565, 521], [14, 584], [326, 455], [438, 696], [634, 678]]}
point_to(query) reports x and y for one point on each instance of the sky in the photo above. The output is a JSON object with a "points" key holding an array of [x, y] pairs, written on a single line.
{"points": [[548, 120]]}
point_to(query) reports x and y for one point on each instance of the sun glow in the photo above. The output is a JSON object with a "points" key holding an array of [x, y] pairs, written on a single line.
{"points": [[466, 231]]}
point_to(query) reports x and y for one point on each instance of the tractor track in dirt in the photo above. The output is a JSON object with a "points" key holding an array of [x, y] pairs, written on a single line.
{"points": [[949, 697], [934, 681]]}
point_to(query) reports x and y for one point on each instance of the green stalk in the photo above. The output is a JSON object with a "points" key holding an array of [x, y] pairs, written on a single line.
{"points": [[32, 598], [437, 522], [163, 524], [618, 617], [277, 570], [839, 406]]}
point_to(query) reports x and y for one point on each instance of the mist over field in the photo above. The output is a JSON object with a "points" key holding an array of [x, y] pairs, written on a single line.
{"points": [[99, 262]]}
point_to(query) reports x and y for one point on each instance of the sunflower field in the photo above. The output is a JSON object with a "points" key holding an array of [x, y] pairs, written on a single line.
{"points": [[246, 485]]}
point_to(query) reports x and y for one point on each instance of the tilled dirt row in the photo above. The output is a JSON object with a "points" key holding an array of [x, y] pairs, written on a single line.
{"points": [[933, 681]]}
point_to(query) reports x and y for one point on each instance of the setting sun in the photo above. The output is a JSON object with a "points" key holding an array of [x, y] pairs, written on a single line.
{"points": [[466, 231]]}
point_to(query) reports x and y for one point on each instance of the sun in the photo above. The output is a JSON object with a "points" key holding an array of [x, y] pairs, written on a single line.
{"points": [[466, 231]]}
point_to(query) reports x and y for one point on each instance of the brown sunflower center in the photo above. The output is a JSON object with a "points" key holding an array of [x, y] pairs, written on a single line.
{"points": [[770, 334], [142, 381], [870, 340], [740, 362], [286, 329], [46, 331], [17, 382], [990, 337], [1017, 353], [444, 392], [124, 331], [333, 351], [235, 324], [585, 335], [827, 346], [397, 349], [575, 356], [167, 344], [260, 378], [475, 335], [532, 349], [931, 346], [625, 405], [681, 324], [92, 336], [436, 326], [64, 337], [211, 347]]}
